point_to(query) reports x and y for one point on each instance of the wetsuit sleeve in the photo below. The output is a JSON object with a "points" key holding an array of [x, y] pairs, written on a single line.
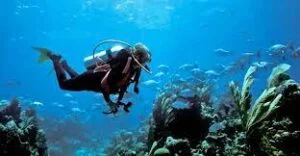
{"points": [[106, 97], [137, 77], [121, 93]]}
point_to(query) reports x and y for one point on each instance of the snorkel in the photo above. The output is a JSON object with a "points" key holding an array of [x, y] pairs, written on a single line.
{"points": [[131, 48]]}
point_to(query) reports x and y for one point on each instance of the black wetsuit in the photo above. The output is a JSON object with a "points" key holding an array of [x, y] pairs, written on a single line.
{"points": [[91, 81]]}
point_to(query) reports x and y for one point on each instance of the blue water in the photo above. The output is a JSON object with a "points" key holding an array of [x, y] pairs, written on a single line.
{"points": [[176, 31]]}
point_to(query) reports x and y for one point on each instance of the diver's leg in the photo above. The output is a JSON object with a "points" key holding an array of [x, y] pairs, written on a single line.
{"points": [[68, 69], [63, 82], [87, 81], [60, 73], [73, 84]]}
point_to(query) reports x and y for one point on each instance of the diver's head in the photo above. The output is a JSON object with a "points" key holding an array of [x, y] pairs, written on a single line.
{"points": [[142, 55]]}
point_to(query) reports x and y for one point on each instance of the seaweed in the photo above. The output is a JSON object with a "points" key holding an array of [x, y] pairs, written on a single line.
{"points": [[269, 100], [243, 98]]}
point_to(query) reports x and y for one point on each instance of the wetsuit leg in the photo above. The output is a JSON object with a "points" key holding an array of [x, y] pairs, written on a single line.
{"points": [[87, 81], [69, 70], [60, 73]]}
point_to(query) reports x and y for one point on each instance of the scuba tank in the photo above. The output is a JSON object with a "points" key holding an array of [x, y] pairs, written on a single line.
{"points": [[102, 56]]}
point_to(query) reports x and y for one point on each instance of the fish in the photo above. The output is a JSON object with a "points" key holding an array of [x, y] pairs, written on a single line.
{"points": [[68, 95], [222, 52], [196, 71], [159, 74], [163, 67], [98, 104], [280, 50], [37, 103], [277, 48], [73, 102], [212, 73], [249, 54], [261, 64], [61, 106], [180, 104], [77, 110], [150, 83], [187, 67], [58, 105], [27, 6]]}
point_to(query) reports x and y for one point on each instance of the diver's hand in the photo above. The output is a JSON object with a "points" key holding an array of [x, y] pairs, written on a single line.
{"points": [[113, 107], [136, 90]]}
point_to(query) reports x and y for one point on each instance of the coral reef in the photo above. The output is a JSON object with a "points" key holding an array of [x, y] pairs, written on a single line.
{"points": [[19, 132], [185, 123], [191, 121], [127, 143], [272, 127]]}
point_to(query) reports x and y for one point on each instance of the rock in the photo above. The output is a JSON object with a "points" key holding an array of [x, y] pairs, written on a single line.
{"points": [[162, 152]]}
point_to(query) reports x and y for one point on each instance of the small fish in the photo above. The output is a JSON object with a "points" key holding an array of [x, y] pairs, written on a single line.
{"points": [[261, 64], [196, 71], [68, 95], [58, 105], [180, 104], [73, 102], [77, 110], [249, 54], [98, 104], [187, 67], [61, 106], [37, 103], [150, 83], [27, 6], [163, 67], [159, 74], [222, 52], [279, 50], [212, 73]]}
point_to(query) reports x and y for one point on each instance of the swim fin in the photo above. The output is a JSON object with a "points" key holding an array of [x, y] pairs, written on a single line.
{"points": [[43, 54]]}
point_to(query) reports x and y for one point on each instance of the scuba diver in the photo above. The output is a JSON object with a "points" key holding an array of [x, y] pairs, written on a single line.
{"points": [[108, 72]]}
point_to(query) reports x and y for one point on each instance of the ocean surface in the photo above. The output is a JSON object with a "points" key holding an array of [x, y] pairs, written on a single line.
{"points": [[177, 32]]}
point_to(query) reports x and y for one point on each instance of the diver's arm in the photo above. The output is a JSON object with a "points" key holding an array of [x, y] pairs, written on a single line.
{"points": [[121, 94], [137, 80], [106, 97], [113, 106]]}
